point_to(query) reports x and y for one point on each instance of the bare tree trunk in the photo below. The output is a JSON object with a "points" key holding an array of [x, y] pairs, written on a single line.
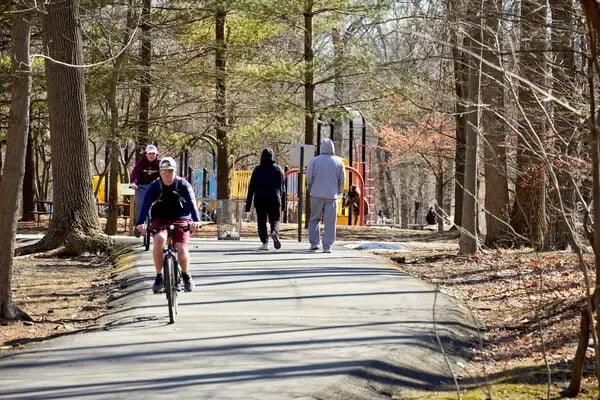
{"points": [[562, 198], [75, 224], [12, 179], [29, 195], [386, 190], [113, 142], [455, 8], [529, 215], [224, 164], [468, 242], [309, 88], [439, 193], [145, 62], [582, 346], [592, 12], [497, 205]]}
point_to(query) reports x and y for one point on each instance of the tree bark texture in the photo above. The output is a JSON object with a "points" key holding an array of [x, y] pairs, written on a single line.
{"points": [[562, 198], [75, 224], [224, 164], [468, 242], [14, 168], [145, 78], [529, 215], [455, 8], [113, 142], [592, 12], [497, 208], [579, 361], [309, 88], [29, 194]]}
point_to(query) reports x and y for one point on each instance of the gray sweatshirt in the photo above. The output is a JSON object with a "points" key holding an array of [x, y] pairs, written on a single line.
{"points": [[325, 176]]}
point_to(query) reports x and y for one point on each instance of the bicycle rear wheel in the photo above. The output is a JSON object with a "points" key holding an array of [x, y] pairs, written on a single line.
{"points": [[170, 285]]}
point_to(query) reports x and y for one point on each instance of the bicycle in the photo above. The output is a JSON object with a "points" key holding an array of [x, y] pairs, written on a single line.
{"points": [[171, 270], [147, 234]]}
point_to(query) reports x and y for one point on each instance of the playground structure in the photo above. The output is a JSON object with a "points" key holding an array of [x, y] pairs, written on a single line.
{"points": [[359, 168], [357, 158]]}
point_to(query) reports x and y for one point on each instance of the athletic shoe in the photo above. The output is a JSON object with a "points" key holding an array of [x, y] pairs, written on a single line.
{"points": [[314, 247], [264, 246], [328, 250], [188, 283], [276, 241], [158, 284]]}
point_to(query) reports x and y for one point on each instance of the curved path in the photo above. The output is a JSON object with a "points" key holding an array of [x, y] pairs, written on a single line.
{"points": [[287, 324]]}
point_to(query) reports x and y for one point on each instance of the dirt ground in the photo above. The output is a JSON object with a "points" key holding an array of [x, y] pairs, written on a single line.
{"points": [[527, 304]]}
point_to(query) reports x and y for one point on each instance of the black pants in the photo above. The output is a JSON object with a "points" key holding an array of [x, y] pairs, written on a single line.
{"points": [[262, 213]]}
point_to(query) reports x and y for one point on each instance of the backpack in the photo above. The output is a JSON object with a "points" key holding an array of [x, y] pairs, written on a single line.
{"points": [[170, 205]]}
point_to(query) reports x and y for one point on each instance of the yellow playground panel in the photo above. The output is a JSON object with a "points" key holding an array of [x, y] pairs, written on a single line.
{"points": [[240, 180], [100, 188]]}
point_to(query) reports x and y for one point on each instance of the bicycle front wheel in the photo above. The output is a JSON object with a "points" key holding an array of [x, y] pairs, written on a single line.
{"points": [[147, 235], [170, 285]]}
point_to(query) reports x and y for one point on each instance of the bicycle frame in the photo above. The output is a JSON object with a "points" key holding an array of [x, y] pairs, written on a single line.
{"points": [[171, 272]]}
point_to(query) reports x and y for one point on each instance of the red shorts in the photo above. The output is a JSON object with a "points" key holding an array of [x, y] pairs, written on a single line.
{"points": [[179, 236]]}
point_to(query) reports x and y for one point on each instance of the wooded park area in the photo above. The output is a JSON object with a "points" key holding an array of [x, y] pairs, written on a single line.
{"points": [[485, 110]]}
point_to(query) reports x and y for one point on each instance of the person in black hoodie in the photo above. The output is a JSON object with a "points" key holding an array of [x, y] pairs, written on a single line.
{"points": [[267, 189]]}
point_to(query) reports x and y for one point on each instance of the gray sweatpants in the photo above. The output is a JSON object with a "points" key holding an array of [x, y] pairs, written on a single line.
{"points": [[326, 209]]}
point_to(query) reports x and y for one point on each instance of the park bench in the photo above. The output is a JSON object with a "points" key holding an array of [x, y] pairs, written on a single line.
{"points": [[42, 208]]}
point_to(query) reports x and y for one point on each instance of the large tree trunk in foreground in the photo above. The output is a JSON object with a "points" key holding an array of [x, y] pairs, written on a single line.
{"points": [[14, 168], [75, 224]]}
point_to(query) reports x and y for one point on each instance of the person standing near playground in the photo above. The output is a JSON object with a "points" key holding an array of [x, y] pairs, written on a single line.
{"points": [[145, 171], [267, 189], [325, 178]]}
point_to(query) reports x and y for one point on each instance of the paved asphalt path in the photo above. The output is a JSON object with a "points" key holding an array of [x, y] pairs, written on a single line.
{"points": [[286, 324]]}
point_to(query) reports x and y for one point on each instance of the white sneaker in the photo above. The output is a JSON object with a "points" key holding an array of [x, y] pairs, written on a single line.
{"points": [[264, 246]]}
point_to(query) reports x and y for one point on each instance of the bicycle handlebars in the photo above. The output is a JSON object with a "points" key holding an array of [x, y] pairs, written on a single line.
{"points": [[171, 227]]}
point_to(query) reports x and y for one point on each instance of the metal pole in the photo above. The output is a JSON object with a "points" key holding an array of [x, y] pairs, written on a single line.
{"points": [[300, 197]]}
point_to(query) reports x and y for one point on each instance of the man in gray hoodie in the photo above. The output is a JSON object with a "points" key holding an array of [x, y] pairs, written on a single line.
{"points": [[325, 178]]}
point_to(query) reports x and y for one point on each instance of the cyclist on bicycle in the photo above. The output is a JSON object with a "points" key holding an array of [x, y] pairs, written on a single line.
{"points": [[171, 201], [144, 172]]}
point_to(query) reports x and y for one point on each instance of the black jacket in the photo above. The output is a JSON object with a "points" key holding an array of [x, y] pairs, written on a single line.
{"points": [[266, 183]]}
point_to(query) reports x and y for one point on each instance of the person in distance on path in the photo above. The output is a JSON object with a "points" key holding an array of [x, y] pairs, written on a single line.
{"points": [[267, 189], [325, 179]]}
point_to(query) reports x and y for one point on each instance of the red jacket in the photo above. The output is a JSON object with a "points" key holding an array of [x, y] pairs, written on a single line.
{"points": [[145, 171]]}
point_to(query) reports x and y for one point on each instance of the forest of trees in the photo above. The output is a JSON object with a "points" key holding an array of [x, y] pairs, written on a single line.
{"points": [[486, 109]]}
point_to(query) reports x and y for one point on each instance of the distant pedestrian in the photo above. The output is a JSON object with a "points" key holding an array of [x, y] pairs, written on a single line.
{"points": [[430, 218], [353, 200], [267, 189], [325, 178]]}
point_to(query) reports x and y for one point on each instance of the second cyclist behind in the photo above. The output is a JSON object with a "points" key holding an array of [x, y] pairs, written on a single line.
{"points": [[171, 200], [144, 172]]}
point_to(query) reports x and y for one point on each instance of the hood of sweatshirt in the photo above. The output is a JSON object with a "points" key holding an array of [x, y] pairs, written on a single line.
{"points": [[327, 147], [267, 157]]}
